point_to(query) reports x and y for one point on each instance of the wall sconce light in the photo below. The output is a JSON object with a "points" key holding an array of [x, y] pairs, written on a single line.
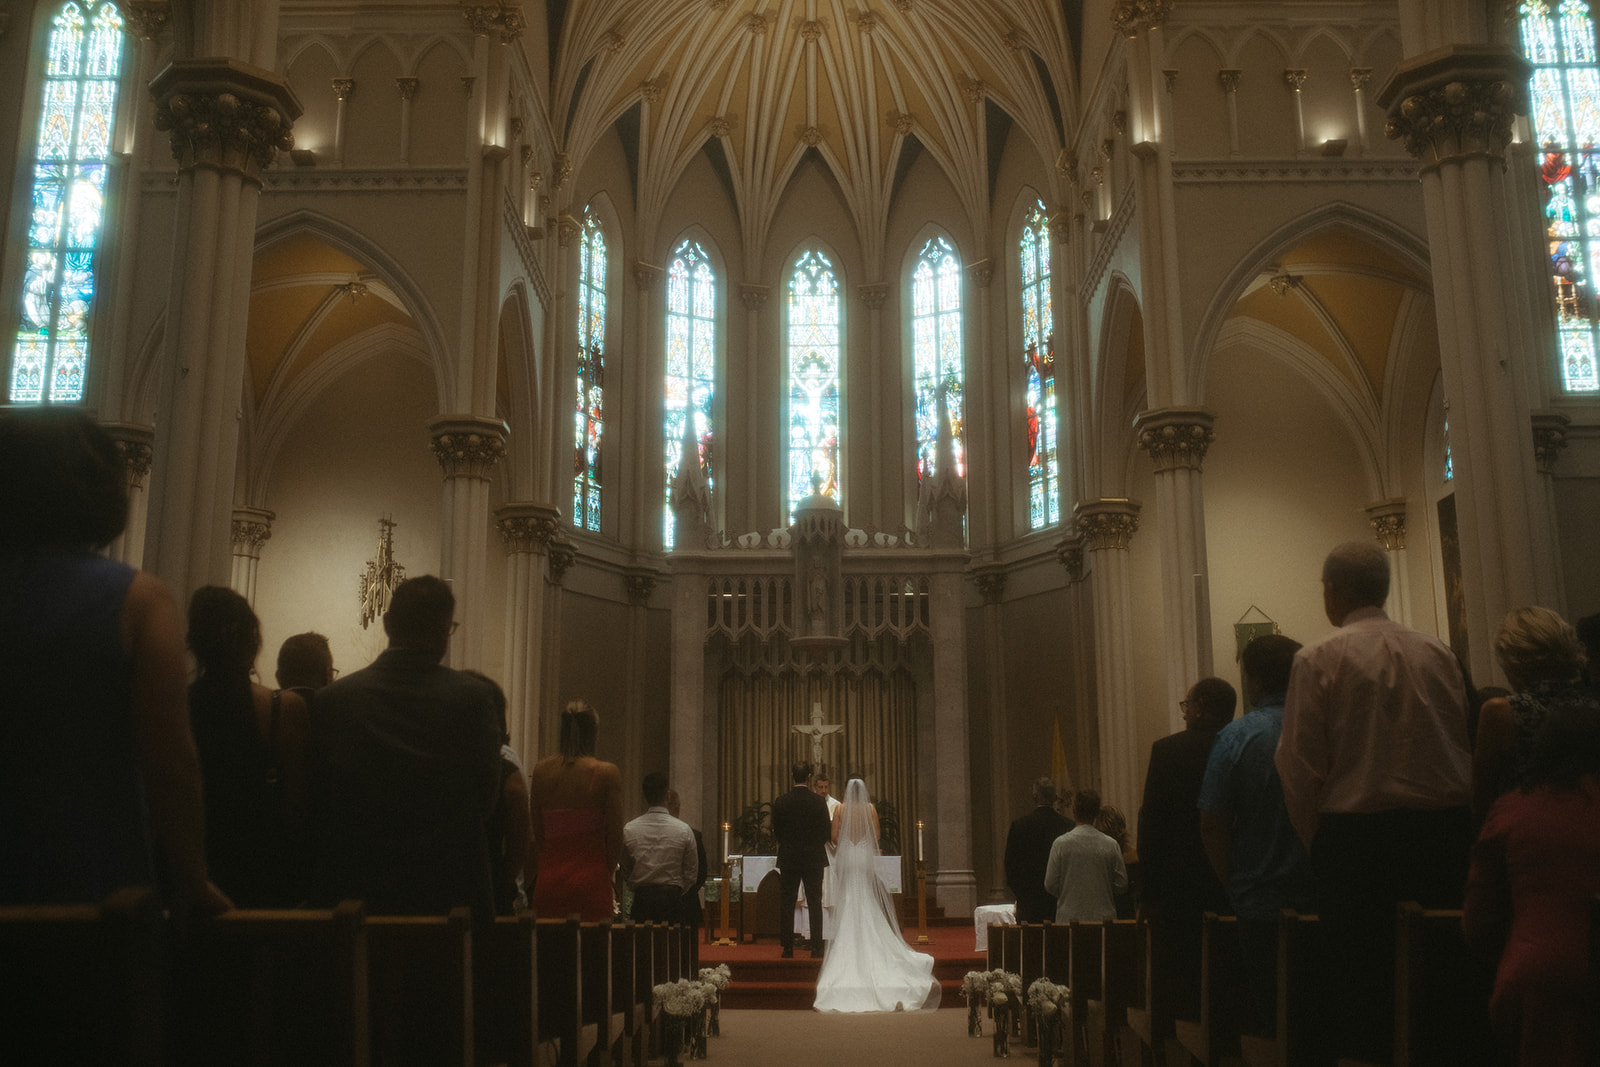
{"points": [[303, 157], [1334, 146]]}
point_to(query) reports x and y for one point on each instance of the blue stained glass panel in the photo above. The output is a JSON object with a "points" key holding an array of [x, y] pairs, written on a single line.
{"points": [[1039, 415], [589, 412], [936, 352], [691, 368], [55, 123], [87, 207], [814, 380], [66, 43], [27, 371]]}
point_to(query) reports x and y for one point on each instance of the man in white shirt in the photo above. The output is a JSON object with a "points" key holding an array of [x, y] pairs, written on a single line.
{"points": [[824, 787], [661, 859], [1377, 778], [1085, 872]]}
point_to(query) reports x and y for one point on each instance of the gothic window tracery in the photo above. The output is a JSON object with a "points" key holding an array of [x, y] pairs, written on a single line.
{"points": [[813, 380], [1038, 339], [937, 363], [691, 364], [589, 422]]}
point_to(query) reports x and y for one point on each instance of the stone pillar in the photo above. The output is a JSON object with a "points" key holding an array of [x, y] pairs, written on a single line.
{"points": [[1081, 622], [750, 498], [135, 444], [342, 88], [1107, 527], [1549, 438], [686, 747], [639, 582], [642, 479], [252, 528], [1176, 440], [1388, 518], [1454, 108], [561, 553], [991, 581], [525, 530], [467, 448], [955, 883], [873, 296], [227, 121]]}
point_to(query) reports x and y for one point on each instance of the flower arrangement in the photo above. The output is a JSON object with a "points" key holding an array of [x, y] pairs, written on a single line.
{"points": [[1048, 1004], [683, 1006], [1000, 990], [681, 998], [714, 980]]}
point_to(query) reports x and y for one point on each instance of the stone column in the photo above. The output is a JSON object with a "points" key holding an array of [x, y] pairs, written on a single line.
{"points": [[1107, 527], [639, 583], [1454, 108], [1549, 439], [408, 92], [643, 478], [342, 88], [686, 748], [135, 444], [467, 448], [1176, 440], [750, 499], [1388, 518], [996, 384], [227, 120], [561, 554], [525, 530], [252, 528], [954, 881], [873, 296], [991, 581], [1081, 648]]}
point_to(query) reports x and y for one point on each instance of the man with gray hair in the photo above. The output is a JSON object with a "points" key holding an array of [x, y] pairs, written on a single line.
{"points": [[1028, 853], [1377, 778]]}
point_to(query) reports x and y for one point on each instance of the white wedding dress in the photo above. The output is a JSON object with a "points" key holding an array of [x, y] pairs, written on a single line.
{"points": [[868, 965]]}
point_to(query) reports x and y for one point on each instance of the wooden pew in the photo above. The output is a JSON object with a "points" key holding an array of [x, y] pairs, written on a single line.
{"points": [[506, 965], [1441, 993], [560, 986], [628, 996], [1148, 1021], [421, 988], [594, 964], [1055, 965], [84, 984], [1121, 985], [1216, 1033], [1300, 967], [1030, 967], [1005, 947]]}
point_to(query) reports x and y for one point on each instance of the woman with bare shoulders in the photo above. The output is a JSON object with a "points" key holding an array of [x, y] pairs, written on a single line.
{"points": [[575, 805]]}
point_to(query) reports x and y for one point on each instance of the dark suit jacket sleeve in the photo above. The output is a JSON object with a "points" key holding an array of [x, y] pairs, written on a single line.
{"points": [[700, 850], [1013, 856], [1155, 831]]}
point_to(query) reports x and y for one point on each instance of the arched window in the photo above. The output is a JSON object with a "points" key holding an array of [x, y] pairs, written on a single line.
{"points": [[1558, 39], [589, 423], [51, 355], [814, 363], [1039, 363], [691, 363], [936, 351]]}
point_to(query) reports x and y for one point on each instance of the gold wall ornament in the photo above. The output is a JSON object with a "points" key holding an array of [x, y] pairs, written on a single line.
{"points": [[381, 576]]}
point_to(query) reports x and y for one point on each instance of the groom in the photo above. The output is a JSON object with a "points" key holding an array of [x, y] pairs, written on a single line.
{"points": [[800, 822]]}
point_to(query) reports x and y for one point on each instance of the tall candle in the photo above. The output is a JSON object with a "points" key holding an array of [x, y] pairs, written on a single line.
{"points": [[919, 840], [725, 828]]}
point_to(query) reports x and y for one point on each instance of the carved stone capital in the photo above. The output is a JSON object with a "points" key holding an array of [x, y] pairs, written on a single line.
{"points": [[526, 527], [645, 275], [719, 126], [1549, 438], [866, 22], [1359, 77], [640, 582], [1294, 78], [873, 295], [135, 446], [901, 122], [981, 272], [1170, 77], [756, 25], [1131, 16], [1106, 524], [1069, 553], [567, 229], [972, 88], [811, 31], [753, 297], [991, 581], [408, 87], [1175, 438], [1228, 78], [650, 91], [562, 165], [1456, 104], [224, 114], [251, 528], [612, 41], [147, 18], [342, 88], [480, 17], [509, 26], [467, 446], [1388, 519], [561, 553]]}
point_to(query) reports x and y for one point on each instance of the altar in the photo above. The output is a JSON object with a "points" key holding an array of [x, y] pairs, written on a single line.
{"points": [[756, 868]]}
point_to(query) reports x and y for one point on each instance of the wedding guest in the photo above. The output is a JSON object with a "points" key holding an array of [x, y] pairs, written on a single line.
{"points": [[1085, 871], [305, 664], [252, 743], [660, 861], [1028, 853], [510, 835], [1114, 825], [694, 909], [575, 802]]}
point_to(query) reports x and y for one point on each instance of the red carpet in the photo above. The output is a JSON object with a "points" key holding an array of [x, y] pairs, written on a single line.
{"points": [[762, 980]]}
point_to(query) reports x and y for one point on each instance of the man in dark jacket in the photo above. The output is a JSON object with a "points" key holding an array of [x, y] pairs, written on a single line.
{"points": [[800, 823], [1028, 851]]}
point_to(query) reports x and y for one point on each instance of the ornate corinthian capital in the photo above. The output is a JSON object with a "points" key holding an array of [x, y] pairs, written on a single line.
{"points": [[1549, 438], [1131, 16], [1069, 552], [991, 580], [753, 297], [135, 446], [640, 582], [224, 114], [467, 446], [146, 17], [526, 527], [1106, 524], [873, 295], [252, 528], [1388, 518], [1175, 437], [562, 553], [1457, 104]]}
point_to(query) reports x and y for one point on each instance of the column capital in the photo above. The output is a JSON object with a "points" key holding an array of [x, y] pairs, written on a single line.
{"points": [[1106, 523], [148, 17], [982, 272], [252, 528], [1131, 16], [1388, 518], [645, 275], [752, 296], [991, 580], [224, 114], [407, 86], [874, 295], [640, 582], [1456, 103], [342, 88], [1069, 553], [1176, 438], [527, 527], [1228, 78], [467, 446], [135, 446], [562, 553], [1549, 438], [567, 229]]}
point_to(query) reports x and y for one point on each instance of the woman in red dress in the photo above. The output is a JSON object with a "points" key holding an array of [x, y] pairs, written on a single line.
{"points": [[575, 802]]}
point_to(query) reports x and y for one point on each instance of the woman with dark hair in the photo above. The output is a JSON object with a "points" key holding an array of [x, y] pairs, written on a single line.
{"points": [[252, 744], [575, 803], [1535, 869], [97, 762]]}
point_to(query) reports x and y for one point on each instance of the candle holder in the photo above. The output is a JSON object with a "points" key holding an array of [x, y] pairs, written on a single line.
{"points": [[922, 904], [725, 932]]}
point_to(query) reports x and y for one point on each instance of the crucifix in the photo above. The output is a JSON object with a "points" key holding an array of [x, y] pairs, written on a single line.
{"points": [[816, 730]]}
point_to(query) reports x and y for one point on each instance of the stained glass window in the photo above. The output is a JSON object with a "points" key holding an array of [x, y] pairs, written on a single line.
{"points": [[936, 351], [814, 361], [691, 363], [589, 421], [1558, 39], [1039, 364], [69, 187]]}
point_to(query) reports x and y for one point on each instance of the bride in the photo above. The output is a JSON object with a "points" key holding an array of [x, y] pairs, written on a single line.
{"points": [[868, 966]]}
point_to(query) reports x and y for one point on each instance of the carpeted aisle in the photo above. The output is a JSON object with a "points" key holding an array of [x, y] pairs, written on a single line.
{"points": [[916, 1039]]}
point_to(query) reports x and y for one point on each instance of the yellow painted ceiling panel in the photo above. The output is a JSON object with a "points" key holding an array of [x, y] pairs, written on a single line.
{"points": [[1334, 248], [276, 315], [347, 320], [1364, 310], [1291, 315], [300, 254]]}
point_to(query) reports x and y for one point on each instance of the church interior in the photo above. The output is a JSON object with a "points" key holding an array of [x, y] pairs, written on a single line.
{"points": [[1023, 350]]}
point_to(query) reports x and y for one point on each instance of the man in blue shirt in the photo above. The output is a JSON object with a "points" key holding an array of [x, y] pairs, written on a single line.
{"points": [[1245, 826]]}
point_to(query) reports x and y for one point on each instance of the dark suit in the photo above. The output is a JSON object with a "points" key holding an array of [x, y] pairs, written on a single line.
{"points": [[693, 910], [1027, 855], [406, 769], [800, 822], [1179, 883]]}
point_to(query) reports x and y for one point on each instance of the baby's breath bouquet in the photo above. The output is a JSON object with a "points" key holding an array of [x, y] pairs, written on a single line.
{"points": [[1047, 1003], [716, 979], [679, 1004]]}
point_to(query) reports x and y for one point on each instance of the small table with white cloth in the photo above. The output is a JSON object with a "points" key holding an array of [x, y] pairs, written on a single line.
{"points": [[756, 868], [987, 915]]}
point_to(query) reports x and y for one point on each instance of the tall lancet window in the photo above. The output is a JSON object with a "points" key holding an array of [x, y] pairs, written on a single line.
{"points": [[1039, 365], [589, 422], [936, 351], [691, 363], [814, 362], [84, 62], [1559, 40]]}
